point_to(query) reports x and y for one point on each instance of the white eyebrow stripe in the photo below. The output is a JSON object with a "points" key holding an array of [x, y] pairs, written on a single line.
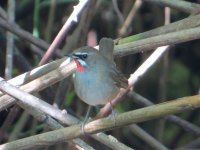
{"points": [[79, 53]]}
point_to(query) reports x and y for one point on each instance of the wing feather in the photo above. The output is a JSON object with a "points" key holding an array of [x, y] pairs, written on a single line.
{"points": [[119, 79]]}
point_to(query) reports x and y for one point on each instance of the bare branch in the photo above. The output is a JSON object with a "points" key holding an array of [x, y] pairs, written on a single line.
{"points": [[10, 41], [54, 45], [191, 8], [35, 73], [157, 41], [42, 82], [41, 106], [131, 15], [146, 137], [189, 22], [187, 126], [26, 35], [135, 116]]}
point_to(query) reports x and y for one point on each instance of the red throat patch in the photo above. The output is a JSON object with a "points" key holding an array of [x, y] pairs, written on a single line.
{"points": [[78, 65]]}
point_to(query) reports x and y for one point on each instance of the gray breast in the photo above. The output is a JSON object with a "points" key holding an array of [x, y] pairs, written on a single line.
{"points": [[95, 87]]}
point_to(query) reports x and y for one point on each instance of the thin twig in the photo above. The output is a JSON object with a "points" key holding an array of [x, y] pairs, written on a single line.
{"points": [[3, 13], [73, 18], [9, 120], [50, 21], [187, 126], [147, 64], [131, 15], [111, 142], [163, 80], [191, 8], [119, 14], [10, 41], [63, 89], [81, 29], [192, 145], [19, 125], [146, 137], [26, 35]]}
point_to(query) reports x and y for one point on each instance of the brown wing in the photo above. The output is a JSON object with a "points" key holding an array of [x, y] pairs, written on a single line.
{"points": [[119, 79]]}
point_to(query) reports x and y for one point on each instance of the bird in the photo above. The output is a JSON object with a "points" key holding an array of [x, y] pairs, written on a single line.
{"points": [[97, 79]]}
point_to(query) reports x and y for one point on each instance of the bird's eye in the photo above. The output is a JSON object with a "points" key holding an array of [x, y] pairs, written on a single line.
{"points": [[84, 56]]}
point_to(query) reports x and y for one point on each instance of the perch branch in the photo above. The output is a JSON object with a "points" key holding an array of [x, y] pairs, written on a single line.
{"points": [[105, 124], [42, 82], [188, 7]]}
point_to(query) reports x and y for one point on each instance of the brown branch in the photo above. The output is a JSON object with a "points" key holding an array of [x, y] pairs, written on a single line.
{"points": [[50, 122], [111, 142], [39, 106], [3, 13], [35, 73], [42, 82], [157, 41], [144, 114], [34, 101], [185, 6], [9, 121], [142, 134], [131, 45], [26, 35], [73, 18], [10, 41], [105, 124], [131, 15], [187, 126], [50, 21], [53, 124], [189, 22]]}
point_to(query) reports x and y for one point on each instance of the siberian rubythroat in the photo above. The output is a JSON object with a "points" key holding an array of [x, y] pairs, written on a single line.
{"points": [[97, 79]]}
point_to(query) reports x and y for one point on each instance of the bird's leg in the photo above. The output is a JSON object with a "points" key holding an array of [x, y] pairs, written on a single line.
{"points": [[113, 112], [85, 119]]}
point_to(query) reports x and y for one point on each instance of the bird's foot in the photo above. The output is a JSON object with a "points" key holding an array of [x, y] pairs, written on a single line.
{"points": [[113, 114], [83, 126], [86, 120], [83, 129]]}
